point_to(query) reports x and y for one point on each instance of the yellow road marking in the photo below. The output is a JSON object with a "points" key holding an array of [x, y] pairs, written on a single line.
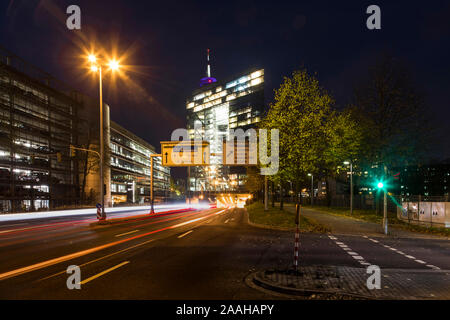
{"points": [[124, 234], [98, 259], [104, 272], [184, 234]]}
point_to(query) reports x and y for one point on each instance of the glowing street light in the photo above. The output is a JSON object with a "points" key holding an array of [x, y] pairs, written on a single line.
{"points": [[92, 58], [96, 66], [113, 65]]}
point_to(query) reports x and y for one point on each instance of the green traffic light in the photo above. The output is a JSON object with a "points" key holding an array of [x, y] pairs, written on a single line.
{"points": [[380, 185]]}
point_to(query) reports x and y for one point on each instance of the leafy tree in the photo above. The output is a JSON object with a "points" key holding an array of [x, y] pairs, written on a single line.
{"points": [[391, 114], [314, 138]]}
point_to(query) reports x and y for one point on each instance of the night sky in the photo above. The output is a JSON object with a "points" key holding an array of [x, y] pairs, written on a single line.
{"points": [[166, 41]]}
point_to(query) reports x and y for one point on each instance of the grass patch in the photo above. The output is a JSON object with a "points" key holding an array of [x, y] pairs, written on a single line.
{"points": [[275, 217], [372, 216]]}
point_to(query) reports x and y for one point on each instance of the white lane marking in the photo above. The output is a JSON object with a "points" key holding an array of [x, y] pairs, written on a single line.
{"points": [[352, 254], [104, 272], [407, 256], [420, 261], [226, 221], [124, 234], [101, 258], [433, 267], [185, 234]]}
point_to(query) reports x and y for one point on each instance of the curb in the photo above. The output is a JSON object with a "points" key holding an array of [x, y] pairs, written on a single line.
{"points": [[263, 226], [258, 281], [137, 217]]}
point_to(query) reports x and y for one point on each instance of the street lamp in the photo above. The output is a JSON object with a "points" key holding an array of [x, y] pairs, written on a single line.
{"points": [[312, 188], [96, 66], [351, 185]]}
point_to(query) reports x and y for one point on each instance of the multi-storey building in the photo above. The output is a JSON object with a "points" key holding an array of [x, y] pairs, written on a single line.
{"points": [[217, 107], [130, 169], [431, 180], [39, 119]]}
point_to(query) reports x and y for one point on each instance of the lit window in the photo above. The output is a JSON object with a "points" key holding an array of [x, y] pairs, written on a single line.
{"points": [[256, 81]]}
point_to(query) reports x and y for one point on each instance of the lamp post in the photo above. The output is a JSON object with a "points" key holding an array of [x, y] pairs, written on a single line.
{"points": [[96, 66], [312, 188], [351, 185]]}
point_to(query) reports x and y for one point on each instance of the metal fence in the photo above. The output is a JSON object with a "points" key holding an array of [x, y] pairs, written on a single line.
{"points": [[427, 211]]}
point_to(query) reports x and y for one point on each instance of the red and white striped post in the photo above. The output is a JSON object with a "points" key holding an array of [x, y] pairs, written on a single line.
{"points": [[297, 236]]}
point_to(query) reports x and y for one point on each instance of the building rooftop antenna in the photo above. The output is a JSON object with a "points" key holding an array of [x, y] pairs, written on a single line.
{"points": [[208, 79]]}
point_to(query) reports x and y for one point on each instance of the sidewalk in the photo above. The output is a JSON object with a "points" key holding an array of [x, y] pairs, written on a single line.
{"points": [[322, 282], [352, 226]]}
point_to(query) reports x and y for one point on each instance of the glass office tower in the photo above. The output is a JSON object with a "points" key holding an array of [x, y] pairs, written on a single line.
{"points": [[216, 108]]}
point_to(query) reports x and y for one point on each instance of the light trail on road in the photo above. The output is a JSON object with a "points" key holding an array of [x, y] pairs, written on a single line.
{"points": [[54, 261]]}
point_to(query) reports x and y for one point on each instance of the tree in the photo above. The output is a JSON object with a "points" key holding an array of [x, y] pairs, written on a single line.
{"points": [[254, 182], [391, 114], [314, 138]]}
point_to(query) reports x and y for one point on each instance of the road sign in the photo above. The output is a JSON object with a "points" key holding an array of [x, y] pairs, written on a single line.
{"points": [[185, 153], [239, 153]]}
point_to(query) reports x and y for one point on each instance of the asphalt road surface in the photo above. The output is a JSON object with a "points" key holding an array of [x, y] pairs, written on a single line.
{"points": [[204, 254]]}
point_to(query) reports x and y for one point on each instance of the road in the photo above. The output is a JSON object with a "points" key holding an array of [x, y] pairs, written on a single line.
{"points": [[202, 254]]}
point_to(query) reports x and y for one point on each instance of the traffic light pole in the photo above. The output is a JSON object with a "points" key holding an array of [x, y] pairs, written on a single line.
{"points": [[385, 220], [152, 210], [351, 188]]}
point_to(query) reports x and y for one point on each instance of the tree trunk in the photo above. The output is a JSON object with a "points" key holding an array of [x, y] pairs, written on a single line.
{"points": [[273, 194], [281, 196]]}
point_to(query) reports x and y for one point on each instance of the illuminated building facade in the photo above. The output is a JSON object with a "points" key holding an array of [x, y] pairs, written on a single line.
{"points": [[130, 169], [40, 118], [38, 121], [218, 107]]}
